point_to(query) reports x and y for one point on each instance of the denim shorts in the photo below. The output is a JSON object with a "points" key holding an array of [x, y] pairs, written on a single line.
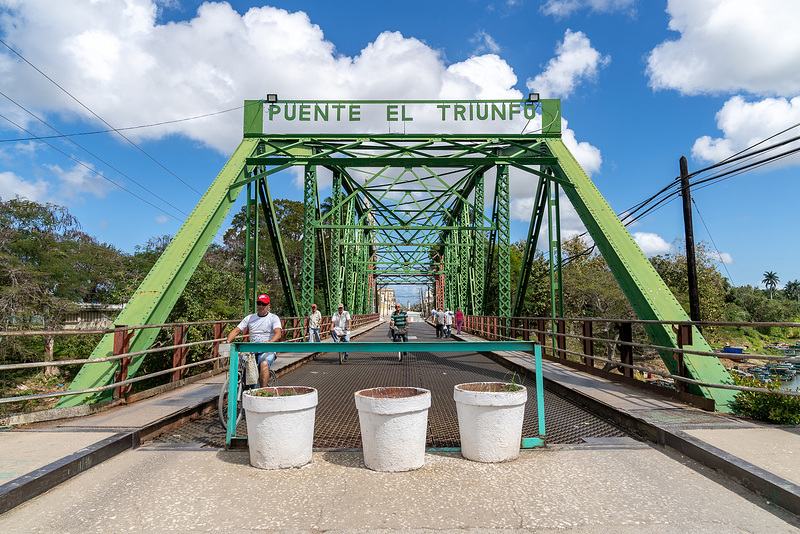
{"points": [[268, 357]]}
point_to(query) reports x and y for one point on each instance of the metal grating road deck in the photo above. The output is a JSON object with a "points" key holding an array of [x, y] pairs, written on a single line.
{"points": [[337, 426]]}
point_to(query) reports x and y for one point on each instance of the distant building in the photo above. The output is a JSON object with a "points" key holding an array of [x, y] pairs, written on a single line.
{"points": [[92, 316], [386, 301]]}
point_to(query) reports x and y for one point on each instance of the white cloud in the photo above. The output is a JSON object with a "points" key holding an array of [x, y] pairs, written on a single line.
{"points": [[721, 257], [484, 43], [130, 69], [12, 185], [161, 219], [565, 8], [730, 46], [651, 244], [78, 180], [587, 155], [746, 123], [575, 62]]}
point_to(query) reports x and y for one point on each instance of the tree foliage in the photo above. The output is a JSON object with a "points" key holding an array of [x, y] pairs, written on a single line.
{"points": [[770, 281], [47, 265], [711, 285]]}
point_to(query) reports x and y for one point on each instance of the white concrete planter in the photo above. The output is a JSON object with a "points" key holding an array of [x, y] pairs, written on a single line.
{"points": [[394, 422], [490, 420], [280, 429]]}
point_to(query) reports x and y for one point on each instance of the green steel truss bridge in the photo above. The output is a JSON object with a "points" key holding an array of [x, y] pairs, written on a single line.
{"points": [[408, 209]]}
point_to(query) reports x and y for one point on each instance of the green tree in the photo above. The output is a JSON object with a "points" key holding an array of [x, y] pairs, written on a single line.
{"points": [[711, 285], [792, 290], [47, 264], [591, 290], [770, 281]]}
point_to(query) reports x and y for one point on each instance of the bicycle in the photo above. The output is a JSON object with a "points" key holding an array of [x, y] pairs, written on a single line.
{"points": [[241, 386], [341, 338], [400, 335]]}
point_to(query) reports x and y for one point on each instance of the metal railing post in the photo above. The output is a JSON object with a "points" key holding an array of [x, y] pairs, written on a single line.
{"points": [[588, 343], [541, 335], [684, 337], [122, 339], [626, 351], [219, 327], [179, 353]]}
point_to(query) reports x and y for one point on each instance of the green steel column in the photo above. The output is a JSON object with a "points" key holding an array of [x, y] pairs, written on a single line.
{"points": [[554, 240], [646, 291], [309, 237], [348, 258], [248, 244], [336, 243], [479, 250], [463, 259], [504, 241], [254, 254]]}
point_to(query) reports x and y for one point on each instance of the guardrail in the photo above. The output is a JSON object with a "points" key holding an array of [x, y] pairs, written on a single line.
{"points": [[555, 334], [412, 346], [295, 329]]}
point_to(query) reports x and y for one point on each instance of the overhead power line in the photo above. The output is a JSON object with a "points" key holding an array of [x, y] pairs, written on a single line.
{"points": [[118, 132], [98, 158], [76, 134], [88, 167]]}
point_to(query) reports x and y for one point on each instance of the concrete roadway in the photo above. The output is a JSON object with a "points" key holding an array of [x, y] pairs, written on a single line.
{"points": [[606, 485]]}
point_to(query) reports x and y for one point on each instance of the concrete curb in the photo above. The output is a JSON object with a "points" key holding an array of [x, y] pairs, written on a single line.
{"points": [[30, 485]]}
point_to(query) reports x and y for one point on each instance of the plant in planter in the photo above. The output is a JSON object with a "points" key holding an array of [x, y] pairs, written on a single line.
{"points": [[394, 422], [280, 425], [490, 416]]}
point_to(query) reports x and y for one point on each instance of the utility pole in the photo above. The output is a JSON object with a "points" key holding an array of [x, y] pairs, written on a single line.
{"points": [[691, 262]]}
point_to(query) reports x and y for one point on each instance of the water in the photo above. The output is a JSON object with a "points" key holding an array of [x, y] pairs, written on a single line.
{"points": [[791, 384]]}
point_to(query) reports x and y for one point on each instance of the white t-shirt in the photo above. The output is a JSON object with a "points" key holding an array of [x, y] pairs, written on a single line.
{"points": [[261, 329], [340, 320]]}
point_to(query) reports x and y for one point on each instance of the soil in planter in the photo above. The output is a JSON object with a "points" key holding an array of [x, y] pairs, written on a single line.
{"points": [[391, 393], [491, 387], [280, 391]]}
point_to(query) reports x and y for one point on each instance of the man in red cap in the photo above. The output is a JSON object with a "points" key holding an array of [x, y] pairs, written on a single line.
{"points": [[262, 327]]}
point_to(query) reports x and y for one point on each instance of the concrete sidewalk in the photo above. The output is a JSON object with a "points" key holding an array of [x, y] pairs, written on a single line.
{"points": [[690, 479]]}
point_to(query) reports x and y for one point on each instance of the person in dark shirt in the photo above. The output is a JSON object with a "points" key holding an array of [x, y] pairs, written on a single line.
{"points": [[399, 322]]}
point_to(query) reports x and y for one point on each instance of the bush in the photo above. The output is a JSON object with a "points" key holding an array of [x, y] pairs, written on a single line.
{"points": [[769, 407]]}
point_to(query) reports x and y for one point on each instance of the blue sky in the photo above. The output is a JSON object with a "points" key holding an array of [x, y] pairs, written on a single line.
{"points": [[642, 83]]}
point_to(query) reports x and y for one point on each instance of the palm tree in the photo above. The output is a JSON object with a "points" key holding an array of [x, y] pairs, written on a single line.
{"points": [[770, 281], [792, 290]]}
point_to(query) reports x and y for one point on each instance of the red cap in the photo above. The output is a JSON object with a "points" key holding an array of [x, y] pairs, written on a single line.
{"points": [[263, 298]]}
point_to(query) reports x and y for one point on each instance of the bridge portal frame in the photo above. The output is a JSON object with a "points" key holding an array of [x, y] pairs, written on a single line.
{"points": [[381, 232]]}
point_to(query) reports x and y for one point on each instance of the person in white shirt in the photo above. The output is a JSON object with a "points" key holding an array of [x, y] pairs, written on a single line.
{"points": [[314, 318], [263, 327], [340, 326], [448, 322]]}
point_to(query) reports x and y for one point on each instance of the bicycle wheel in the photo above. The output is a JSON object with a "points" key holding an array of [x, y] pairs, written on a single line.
{"points": [[273, 379], [222, 404]]}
